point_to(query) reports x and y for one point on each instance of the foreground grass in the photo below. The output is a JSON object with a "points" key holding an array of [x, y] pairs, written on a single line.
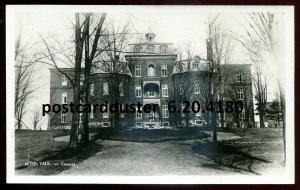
{"points": [[258, 151], [265, 143], [40, 147], [35, 145]]}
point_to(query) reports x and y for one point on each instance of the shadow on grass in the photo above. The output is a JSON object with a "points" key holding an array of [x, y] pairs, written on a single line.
{"points": [[228, 156]]}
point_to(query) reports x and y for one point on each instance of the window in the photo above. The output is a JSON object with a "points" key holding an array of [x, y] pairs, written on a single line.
{"points": [[80, 117], [64, 98], [137, 70], [165, 124], [151, 93], [105, 88], [197, 108], [105, 114], [198, 122], [240, 77], [197, 89], [164, 90], [138, 114], [81, 79], [165, 112], [240, 94], [138, 125], [163, 48], [121, 90], [122, 109], [92, 90], [105, 124], [164, 70], [138, 90], [137, 49], [81, 99], [63, 117], [181, 90], [151, 70], [64, 81], [122, 115], [195, 65], [150, 49], [92, 112], [242, 115], [182, 108]]}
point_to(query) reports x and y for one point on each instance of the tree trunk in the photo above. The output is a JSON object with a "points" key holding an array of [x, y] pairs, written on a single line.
{"points": [[19, 124], [282, 106], [89, 56], [79, 40], [86, 86], [261, 120], [75, 122], [214, 126]]}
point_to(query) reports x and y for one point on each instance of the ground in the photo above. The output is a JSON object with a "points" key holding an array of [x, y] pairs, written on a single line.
{"points": [[240, 151]]}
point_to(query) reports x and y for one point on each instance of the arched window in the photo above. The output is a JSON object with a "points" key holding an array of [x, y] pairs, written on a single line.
{"points": [[150, 49], [151, 70], [137, 49], [195, 65], [163, 48], [105, 88]]}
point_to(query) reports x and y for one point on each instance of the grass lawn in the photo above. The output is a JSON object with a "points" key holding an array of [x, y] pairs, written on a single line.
{"points": [[35, 145], [40, 146], [257, 150]]}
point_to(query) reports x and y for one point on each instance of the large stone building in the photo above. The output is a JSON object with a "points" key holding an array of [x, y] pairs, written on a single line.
{"points": [[153, 75]]}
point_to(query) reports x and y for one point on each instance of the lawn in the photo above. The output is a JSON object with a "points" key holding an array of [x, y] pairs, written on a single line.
{"points": [[259, 150], [39, 146], [255, 151]]}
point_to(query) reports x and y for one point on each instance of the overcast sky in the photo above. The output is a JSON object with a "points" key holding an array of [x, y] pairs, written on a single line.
{"points": [[172, 25]]}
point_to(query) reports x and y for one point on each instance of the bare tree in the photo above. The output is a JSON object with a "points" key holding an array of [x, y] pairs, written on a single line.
{"points": [[219, 47], [263, 31], [24, 67], [260, 82], [73, 57], [185, 86], [111, 61], [37, 119], [90, 52]]}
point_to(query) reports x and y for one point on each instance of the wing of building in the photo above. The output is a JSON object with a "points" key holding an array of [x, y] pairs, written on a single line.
{"points": [[151, 74]]}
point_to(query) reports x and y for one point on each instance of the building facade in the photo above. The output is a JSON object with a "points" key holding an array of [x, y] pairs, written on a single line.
{"points": [[155, 76]]}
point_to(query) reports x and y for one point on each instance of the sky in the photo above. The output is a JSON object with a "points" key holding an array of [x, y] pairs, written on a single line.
{"points": [[171, 25]]}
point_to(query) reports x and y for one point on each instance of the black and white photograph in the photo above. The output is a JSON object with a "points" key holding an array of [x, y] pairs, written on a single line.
{"points": [[150, 94]]}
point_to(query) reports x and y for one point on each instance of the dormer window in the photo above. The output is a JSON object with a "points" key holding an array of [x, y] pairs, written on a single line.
{"points": [[150, 49], [137, 49], [163, 48], [195, 65]]}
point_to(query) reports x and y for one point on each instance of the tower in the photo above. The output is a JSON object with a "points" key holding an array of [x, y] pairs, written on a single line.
{"points": [[150, 35]]}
